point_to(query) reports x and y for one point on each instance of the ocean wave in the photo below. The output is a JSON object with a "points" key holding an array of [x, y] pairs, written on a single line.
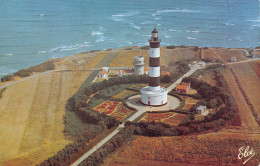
{"points": [[9, 54], [256, 20], [116, 19], [41, 52], [178, 11], [41, 15], [2, 74], [94, 33], [172, 30], [229, 24], [192, 31], [157, 18], [167, 36], [147, 22], [128, 14], [134, 26], [256, 26], [154, 15], [147, 35], [68, 48], [128, 42], [191, 38], [100, 40]]}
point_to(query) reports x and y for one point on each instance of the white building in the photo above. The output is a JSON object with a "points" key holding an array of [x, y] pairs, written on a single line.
{"points": [[102, 74], [201, 110], [139, 65], [233, 59]]}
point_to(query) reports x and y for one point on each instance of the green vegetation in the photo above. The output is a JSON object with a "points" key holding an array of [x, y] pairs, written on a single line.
{"points": [[145, 47], [171, 47], [49, 65], [213, 97], [1, 92], [136, 87], [23, 73], [210, 67], [7, 78], [105, 94], [38, 68], [111, 146]]}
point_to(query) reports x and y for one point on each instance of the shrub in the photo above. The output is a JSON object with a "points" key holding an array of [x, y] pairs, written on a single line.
{"points": [[7, 78], [171, 47], [145, 48], [23, 73], [213, 66], [49, 65]]}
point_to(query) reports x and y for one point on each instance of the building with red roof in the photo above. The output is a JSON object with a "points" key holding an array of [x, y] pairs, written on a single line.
{"points": [[183, 89]]}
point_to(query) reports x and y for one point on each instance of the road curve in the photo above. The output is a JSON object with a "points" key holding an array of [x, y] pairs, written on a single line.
{"points": [[194, 68]]}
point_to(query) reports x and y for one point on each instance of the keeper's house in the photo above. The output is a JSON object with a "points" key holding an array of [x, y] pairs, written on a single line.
{"points": [[186, 84], [183, 89], [103, 74]]}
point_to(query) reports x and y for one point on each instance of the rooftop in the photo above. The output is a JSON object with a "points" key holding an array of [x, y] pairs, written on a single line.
{"points": [[182, 87]]}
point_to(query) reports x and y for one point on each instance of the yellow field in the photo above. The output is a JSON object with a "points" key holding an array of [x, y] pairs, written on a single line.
{"points": [[80, 61], [31, 117], [126, 58]]}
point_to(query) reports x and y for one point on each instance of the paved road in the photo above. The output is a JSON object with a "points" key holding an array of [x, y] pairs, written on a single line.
{"points": [[98, 145], [15, 82], [249, 60], [132, 118], [194, 68]]}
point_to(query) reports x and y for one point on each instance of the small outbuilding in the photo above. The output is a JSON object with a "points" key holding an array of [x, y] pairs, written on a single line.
{"points": [[233, 59], [201, 110], [146, 70], [186, 84], [182, 89], [103, 74]]}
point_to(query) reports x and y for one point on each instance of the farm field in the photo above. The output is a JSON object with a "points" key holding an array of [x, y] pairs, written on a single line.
{"points": [[250, 80], [224, 54], [80, 61], [113, 108], [126, 58], [186, 150], [31, 117], [248, 120]]}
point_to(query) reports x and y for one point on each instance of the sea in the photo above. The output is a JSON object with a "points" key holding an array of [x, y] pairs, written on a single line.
{"points": [[33, 31]]}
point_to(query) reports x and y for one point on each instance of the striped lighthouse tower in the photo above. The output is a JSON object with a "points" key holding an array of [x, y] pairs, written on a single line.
{"points": [[154, 62], [154, 94]]}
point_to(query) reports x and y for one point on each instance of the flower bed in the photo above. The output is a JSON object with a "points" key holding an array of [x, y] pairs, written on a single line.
{"points": [[113, 108]]}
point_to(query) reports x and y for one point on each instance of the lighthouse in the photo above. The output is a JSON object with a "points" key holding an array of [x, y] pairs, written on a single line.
{"points": [[154, 94]]}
